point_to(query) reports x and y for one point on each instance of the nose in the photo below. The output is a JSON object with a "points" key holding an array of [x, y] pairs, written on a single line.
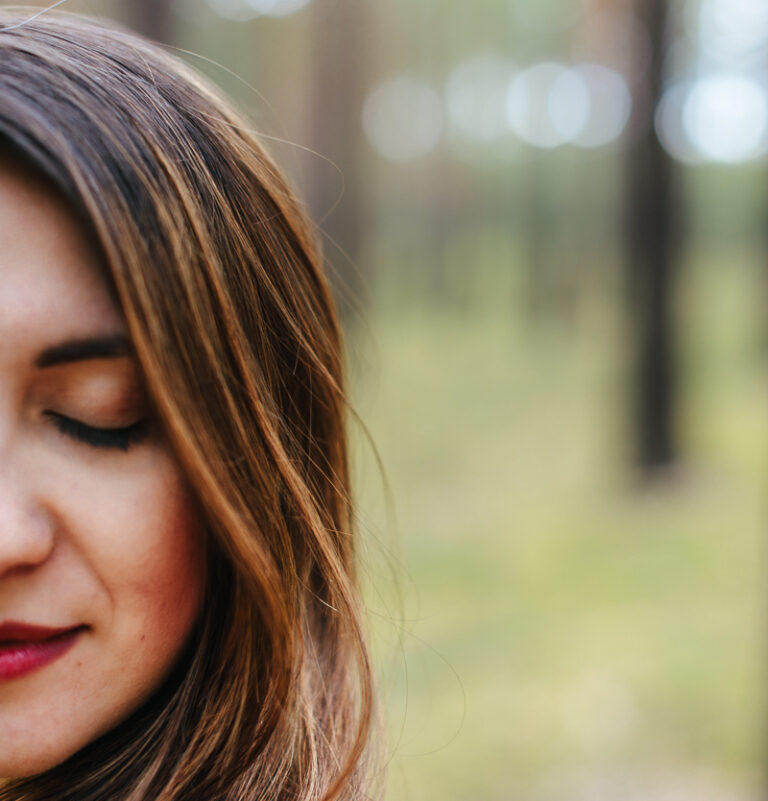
{"points": [[26, 531]]}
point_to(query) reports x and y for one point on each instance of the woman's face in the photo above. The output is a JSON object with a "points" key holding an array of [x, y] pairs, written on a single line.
{"points": [[101, 553]]}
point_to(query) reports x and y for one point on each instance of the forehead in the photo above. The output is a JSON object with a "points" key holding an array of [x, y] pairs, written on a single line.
{"points": [[51, 285]]}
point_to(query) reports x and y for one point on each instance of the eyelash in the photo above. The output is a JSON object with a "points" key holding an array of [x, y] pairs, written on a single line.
{"points": [[113, 438]]}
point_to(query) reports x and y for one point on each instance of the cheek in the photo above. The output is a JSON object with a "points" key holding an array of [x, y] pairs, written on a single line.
{"points": [[137, 533], [128, 562], [150, 554]]}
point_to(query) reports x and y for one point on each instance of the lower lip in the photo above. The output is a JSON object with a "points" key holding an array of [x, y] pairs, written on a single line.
{"points": [[18, 659]]}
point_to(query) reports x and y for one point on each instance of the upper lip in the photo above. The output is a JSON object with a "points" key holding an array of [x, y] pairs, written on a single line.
{"points": [[12, 631]]}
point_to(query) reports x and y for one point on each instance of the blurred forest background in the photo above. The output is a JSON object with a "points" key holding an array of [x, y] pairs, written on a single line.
{"points": [[547, 222]]}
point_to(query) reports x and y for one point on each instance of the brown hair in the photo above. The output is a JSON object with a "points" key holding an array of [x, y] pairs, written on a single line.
{"points": [[217, 273]]}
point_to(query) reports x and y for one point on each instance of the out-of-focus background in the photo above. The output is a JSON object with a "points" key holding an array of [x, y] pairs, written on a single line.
{"points": [[553, 216]]}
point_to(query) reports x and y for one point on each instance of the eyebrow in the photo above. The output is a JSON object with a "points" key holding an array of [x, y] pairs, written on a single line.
{"points": [[77, 350]]}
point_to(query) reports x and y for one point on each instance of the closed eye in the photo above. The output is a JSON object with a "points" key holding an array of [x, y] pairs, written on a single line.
{"points": [[116, 438]]}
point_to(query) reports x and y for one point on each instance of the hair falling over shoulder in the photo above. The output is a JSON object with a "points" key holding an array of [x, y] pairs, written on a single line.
{"points": [[216, 271]]}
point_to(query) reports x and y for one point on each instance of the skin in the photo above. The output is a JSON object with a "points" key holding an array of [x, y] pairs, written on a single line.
{"points": [[95, 536]]}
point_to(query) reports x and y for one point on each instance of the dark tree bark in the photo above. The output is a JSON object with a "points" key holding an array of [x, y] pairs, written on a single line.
{"points": [[339, 82], [651, 242], [152, 18]]}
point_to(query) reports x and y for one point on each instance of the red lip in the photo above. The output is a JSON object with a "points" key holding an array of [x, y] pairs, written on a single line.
{"points": [[26, 631], [25, 647]]}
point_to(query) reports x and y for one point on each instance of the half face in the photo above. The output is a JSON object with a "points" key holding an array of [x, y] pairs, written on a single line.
{"points": [[101, 554]]}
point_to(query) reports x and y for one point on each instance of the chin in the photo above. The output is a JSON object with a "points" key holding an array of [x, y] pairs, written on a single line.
{"points": [[34, 754], [21, 766]]}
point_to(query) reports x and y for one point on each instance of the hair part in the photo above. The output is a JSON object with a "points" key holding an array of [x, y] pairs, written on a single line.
{"points": [[217, 272]]}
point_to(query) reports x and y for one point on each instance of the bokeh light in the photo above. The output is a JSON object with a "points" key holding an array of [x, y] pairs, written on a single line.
{"points": [[242, 10], [726, 118], [532, 96], [569, 104], [668, 122], [475, 97], [720, 118], [403, 119], [550, 104], [734, 31], [610, 105]]}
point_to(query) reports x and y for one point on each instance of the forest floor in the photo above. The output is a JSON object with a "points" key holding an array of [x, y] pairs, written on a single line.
{"points": [[567, 631]]}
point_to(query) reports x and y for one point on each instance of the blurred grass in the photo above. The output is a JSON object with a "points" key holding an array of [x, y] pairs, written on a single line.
{"points": [[569, 631]]}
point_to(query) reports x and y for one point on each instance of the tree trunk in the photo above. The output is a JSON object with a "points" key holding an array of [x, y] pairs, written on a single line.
{"points": [[651, 206], [336, 196]]}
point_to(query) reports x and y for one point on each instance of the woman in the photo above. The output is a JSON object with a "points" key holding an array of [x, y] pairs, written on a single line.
{"points": [[179, 617]]}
